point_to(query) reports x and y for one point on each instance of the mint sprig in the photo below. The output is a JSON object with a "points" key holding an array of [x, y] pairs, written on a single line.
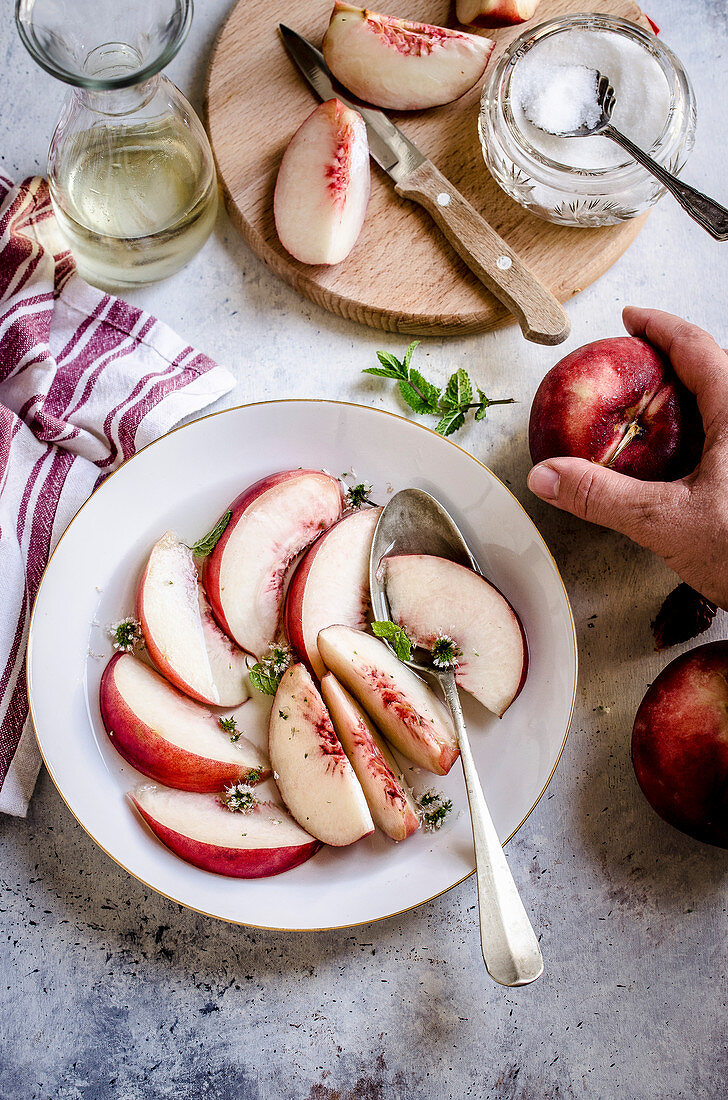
{"points": [[208, 542], [396, 636], [423, 397]]}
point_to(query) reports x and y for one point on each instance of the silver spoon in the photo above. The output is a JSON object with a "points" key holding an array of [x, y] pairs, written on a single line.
{"points": [[414, 522], [708, 213]]}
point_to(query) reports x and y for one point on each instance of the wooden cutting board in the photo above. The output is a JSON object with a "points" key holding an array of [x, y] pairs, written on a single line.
{"points": [[402, 276]]}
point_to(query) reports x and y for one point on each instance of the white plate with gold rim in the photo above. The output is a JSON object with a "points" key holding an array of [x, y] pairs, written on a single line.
{"points": [[185, 481]]}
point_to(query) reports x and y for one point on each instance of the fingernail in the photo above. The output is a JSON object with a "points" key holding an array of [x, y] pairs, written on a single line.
{"points": [[544, 482]]}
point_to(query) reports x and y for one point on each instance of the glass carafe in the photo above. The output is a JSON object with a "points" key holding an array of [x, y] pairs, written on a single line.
{"points": [[130, 170]]}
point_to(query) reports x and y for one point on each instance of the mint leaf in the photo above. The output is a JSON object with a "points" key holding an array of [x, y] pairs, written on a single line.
{"points": [[394, 634], [383, 372], [207, 544], [266, 674], [430, 393], [484, 404], [391, 362], [458, 392], [420, 394], [450, 422], [388, 360], [263, 680], [408, 354]]}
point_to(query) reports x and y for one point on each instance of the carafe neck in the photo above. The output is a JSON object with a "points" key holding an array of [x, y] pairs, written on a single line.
{"points": [[111, 62]]}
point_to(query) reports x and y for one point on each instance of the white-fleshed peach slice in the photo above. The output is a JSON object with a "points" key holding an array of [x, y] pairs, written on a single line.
{"points": [[401, 65], [322, 190], [494, 13], [181, 635], [167, 736], [331, 585], [201, 830], [388, 796], [313, 773], [433, 598], [400, 704], [271, 523]]}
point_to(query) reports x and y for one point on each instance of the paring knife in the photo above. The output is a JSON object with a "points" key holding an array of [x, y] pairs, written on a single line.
{"points": [[540, 315]]}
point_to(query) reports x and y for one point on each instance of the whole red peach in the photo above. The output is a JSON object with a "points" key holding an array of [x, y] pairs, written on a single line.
{"points": [[680, 743], [619, 403]]}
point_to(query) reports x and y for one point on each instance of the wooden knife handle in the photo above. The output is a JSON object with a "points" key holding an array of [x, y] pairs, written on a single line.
{"points": [[541, 317]]}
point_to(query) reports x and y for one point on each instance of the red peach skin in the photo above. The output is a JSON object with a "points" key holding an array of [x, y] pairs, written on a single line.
{"points": [[494, 13], [684, 521], [144, 737], [680, 743], [272, 521], [213, 854]]}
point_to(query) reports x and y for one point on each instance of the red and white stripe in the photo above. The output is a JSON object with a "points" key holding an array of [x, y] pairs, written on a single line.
{"points": [[85, 381]]}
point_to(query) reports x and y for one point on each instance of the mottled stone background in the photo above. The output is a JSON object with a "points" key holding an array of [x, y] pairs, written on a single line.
{"points": [[109, 990]]}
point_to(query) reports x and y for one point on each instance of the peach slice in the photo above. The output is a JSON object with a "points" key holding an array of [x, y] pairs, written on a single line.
{"points": [[388, 796], [271, 522], [323, 183], [331, 585], [200, 830], [166, 736], [182, 638], [401, 705], [401, 65], [316, 780], [431, 597], [494, 13]]}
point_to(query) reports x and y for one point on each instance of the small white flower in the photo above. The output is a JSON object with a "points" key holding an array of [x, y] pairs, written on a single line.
{"points": [[432, 809], [278, 660], [126, 634], [445, 652], [240, 798]]}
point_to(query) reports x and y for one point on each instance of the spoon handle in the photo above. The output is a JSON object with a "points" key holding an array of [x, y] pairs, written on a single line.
{"points": [[708, 213], [510, 948]]}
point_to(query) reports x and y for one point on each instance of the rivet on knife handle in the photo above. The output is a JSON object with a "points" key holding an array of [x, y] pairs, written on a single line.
{"points": [[541, 317]]}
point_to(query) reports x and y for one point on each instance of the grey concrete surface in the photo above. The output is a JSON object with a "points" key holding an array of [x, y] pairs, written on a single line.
{"points": [[108, 990]]}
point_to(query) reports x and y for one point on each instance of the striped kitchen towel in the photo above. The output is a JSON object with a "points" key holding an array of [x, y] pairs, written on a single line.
{"points": [[85, 381]]}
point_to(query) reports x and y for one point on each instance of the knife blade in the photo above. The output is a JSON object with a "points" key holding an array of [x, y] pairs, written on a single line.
{"points": [[540, 315], [388, 146]]}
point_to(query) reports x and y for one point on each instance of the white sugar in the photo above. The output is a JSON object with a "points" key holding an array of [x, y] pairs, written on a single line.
{"points": [[560, 98], [549, 85]]}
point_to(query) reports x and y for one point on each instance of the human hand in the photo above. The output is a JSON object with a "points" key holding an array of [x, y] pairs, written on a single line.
{"points": [[685, 521]]}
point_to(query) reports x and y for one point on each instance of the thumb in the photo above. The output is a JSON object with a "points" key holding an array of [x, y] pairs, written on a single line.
{"points": [[646, 511]]}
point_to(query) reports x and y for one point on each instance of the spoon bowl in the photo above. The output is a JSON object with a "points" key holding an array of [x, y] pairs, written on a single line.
{"points": [[705, 211], [413, 522], [595, 123]]}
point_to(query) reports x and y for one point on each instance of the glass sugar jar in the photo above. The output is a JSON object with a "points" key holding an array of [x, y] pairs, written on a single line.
{"points": [[587, 181]]}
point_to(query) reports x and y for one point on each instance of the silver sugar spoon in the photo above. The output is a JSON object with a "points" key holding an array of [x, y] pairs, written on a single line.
{"points": [[708, 213], [414, 522]]}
